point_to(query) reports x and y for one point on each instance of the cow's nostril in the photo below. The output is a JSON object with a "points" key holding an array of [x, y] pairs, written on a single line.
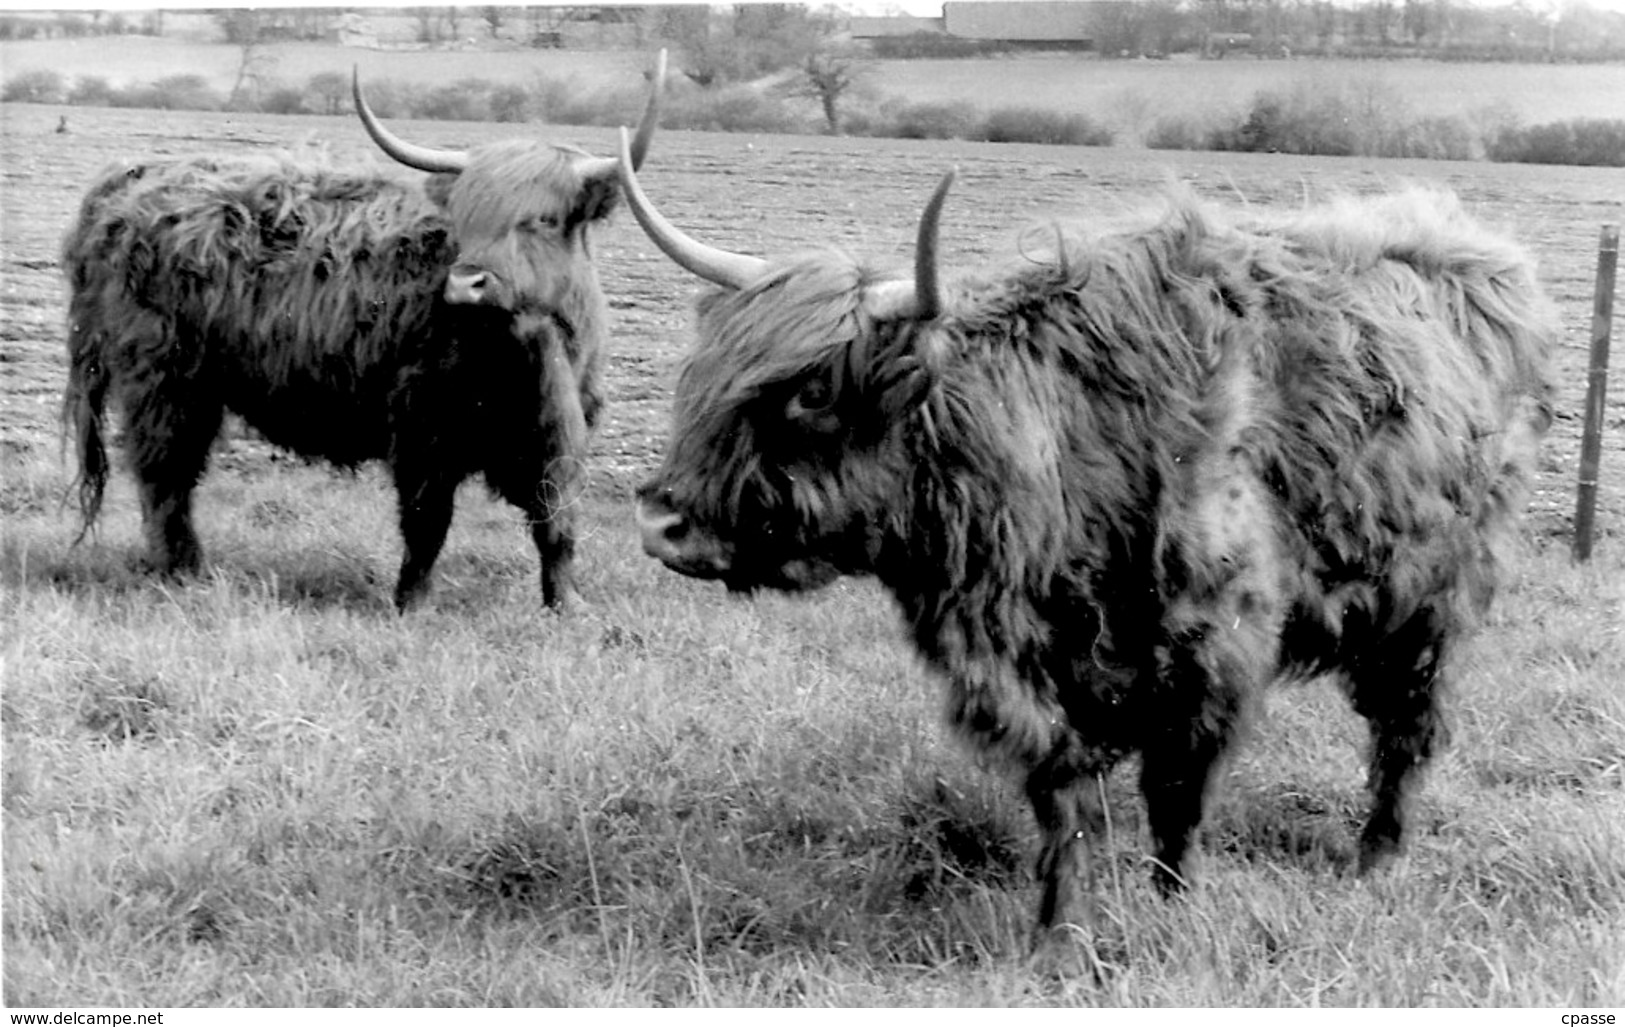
{"points": [[679, 542], [677, 530], [661, 529], [467, 288]]}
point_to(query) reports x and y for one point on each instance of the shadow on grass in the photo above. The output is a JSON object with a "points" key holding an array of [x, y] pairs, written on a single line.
{"points": [[937, 872], [1287, 825], [77, 569], [122, 704]]}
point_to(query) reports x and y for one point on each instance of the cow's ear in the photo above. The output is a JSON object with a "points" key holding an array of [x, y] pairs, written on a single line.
{"points": [[438, 189], [597, 200], [903, 366]]}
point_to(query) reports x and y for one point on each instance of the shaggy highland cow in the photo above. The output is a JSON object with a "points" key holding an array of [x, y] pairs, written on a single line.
{"points": [[449, 330], [1119, 488]]}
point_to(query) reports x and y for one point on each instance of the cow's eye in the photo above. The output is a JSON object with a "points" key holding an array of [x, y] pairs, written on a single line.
{"points": [[538, 224], [812, 401]]}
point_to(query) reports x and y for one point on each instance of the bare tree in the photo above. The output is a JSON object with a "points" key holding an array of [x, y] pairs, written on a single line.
{"points": [[1325, 17], [744, 43], [331, 88], [1383, 11], [826, 77], [238, 24], [687, 29], [245, 28], [1416, 20], [1442, 22], [310, 23], [426, 23], [1149, 26]]}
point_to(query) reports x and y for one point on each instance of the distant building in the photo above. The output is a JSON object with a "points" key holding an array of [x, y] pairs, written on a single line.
{"points": [[352, 29], [1062, 23], [1218, 44], [1047, 24], [901, 25]]}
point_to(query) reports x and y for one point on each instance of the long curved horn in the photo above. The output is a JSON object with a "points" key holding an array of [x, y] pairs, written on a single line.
{"points": [[605, 167], [413, 156], [921, 299], [732, 270]]}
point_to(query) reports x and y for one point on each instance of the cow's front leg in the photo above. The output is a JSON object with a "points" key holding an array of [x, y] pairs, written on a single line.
{"points": [[426, 503], [556, 504], [1203, 681], [545, 477], [1071, 821]]}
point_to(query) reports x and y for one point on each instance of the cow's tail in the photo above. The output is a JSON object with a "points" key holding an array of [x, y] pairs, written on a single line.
{"points": [[83, 402]]}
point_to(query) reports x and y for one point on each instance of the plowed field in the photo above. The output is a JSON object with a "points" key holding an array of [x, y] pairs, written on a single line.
{"points": [[770, 194]]}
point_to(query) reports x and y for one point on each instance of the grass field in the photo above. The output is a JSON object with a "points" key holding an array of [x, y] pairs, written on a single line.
{"points": [[132, 59], [1127, 94], [262, 787], [1113, 90]]}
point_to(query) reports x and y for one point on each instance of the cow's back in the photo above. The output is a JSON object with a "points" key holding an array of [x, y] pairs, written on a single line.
{"points": [[1351, 397], [1401, 385], [295, 290]]}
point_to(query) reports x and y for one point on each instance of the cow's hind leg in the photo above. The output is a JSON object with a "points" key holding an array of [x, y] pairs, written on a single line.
{"points": [[1396, 688], [170, 427], [426, 503]]}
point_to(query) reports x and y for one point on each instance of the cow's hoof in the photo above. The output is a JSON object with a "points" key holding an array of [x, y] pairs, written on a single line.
{"points": [[568, 603]]}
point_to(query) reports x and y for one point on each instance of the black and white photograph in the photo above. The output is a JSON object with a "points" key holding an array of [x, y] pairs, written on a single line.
{"points": [[899, 503]]}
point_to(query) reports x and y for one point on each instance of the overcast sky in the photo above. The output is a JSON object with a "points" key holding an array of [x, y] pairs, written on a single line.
{"points": [[932, 8], [926, 8]]}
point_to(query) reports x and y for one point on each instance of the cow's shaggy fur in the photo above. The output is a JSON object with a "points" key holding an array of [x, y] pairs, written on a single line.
{"points": [[1118, 487], [308, 299]]}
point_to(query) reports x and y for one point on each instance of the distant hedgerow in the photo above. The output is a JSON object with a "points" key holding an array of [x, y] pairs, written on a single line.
{"points": [[1595, 142], [548, 96], [509, 102], [391, 99], [327, 92], [565, 103], [91, 91], [284, 100], [1441, 137], [1038, 125], [735, 109], [1351, 117], [1176, 133], [41, 85], [934, 45], [1291, 123], [172, 93], [466, 100], [934, 120]]}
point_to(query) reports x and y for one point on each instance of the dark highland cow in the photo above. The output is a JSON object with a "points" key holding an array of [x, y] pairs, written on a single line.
{"points": [[449, 330], [1118, 488]]}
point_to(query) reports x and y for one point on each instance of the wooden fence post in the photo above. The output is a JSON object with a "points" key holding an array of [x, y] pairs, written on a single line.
{"points": [[1602, 313]]}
